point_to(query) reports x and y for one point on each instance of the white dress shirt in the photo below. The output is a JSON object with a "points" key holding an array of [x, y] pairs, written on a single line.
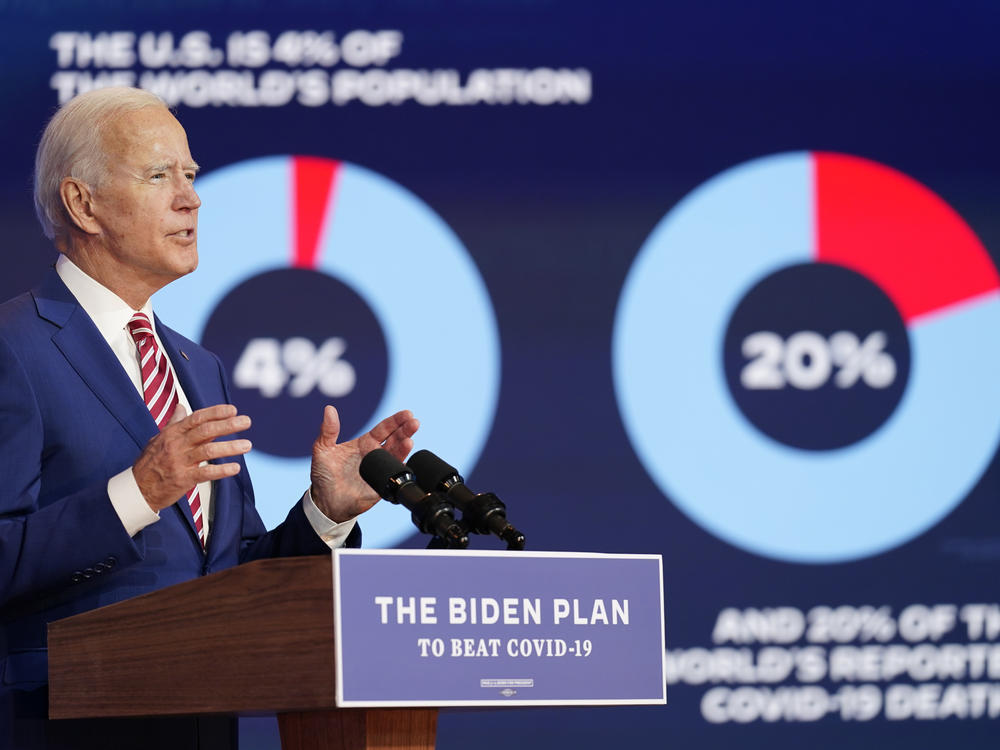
{"points": [[111, 315]]}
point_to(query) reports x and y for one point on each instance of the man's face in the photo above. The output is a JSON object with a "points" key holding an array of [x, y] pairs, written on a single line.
{"points": [[146, 206]]}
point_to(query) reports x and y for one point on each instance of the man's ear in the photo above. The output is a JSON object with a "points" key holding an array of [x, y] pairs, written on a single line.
{"points": [[79, 204]]}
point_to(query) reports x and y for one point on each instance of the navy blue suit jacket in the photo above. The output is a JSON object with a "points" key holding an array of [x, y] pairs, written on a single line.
{"points": [[70, 419]]}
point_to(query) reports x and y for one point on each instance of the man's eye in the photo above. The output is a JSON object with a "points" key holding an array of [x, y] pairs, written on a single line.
{"points": [[190, 176], [158, 176]]}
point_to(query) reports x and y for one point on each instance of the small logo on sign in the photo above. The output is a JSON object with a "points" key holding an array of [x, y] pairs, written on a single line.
{"points": [[493, 682], [508, 692]]}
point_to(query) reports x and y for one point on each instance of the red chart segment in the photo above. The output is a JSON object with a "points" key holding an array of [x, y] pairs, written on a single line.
{"points": [[890, 228], [313, 182]]}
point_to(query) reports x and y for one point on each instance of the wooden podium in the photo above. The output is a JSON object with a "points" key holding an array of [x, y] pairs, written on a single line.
{"points": [[254, 639]]}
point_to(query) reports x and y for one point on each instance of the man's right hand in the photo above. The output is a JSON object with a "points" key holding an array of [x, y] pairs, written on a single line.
{"points": [[170, 464]]}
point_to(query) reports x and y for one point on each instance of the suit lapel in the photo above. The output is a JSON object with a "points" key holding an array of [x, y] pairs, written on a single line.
{"points": [[188, 381], [183, 367], [90, 356], [195, 386]]}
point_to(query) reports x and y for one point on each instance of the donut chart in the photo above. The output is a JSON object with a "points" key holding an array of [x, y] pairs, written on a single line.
{"points": [[394, 253], [690, 276]]}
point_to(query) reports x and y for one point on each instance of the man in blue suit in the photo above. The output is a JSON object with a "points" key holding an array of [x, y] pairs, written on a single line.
{"points": [[93, 494]]}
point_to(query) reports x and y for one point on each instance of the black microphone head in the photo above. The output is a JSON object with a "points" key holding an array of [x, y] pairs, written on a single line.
{"points": [[431, 471], [379, 468]]}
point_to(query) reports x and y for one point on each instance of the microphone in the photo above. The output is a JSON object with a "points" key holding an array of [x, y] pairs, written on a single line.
{"points": [[431, 511], [482, 513]]}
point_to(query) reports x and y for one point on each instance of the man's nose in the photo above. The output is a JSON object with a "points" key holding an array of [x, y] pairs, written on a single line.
{"points": [[187, 198]]}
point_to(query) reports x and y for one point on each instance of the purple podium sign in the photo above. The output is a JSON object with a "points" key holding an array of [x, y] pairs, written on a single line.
{"points": [[469, 628]]}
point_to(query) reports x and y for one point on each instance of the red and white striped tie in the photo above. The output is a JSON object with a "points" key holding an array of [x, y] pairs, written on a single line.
{"points": [[160, 392]]}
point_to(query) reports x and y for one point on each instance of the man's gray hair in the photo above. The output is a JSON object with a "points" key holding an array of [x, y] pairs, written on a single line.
{"points": [[72, 146]]}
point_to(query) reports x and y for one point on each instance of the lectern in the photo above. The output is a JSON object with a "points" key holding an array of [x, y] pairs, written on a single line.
{"points": [[357, 652], [255, 639]]}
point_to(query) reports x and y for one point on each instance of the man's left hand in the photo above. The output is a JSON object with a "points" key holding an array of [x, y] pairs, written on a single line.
{"points": [[337, 488]]}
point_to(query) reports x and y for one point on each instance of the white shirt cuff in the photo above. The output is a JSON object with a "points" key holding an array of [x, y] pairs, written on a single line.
{"points": [[129, 504], [331, 532]]}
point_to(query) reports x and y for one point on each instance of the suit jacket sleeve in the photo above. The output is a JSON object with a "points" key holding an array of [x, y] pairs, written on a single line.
{"points": [[295, 536]]}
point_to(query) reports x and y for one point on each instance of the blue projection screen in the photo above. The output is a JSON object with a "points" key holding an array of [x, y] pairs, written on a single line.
{"points": [[716, 281]]}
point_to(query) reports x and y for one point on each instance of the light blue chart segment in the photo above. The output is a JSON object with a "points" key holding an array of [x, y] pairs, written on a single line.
{"points": [[435, 311], [244, 229], [407, 265], [718, 468]]}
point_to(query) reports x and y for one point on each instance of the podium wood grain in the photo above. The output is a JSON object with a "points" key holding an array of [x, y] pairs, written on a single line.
{"points": [[257, 638], [398, 729]]}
